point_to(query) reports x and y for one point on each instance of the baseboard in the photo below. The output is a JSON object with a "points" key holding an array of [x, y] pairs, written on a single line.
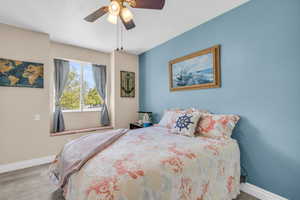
{"points": [[259, 192], [25, 164]]}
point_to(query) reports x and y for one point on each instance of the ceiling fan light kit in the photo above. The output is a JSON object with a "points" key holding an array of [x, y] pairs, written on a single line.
{"points": [[114, 7], [117, 8], [126, 14], [112, 19]]}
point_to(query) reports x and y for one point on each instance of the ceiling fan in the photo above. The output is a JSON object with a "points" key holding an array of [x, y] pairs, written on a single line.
{"points": [[117, 8]]}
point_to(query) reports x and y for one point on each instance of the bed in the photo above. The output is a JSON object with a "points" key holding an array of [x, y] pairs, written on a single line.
{"points": [[153, 164]]}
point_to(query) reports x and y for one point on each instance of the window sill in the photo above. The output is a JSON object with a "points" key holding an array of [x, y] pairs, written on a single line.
{"points": [[86, 130], [81, 111]]}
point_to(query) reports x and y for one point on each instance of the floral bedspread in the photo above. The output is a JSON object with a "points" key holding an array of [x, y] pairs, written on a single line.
{"points": [[153, 164]]}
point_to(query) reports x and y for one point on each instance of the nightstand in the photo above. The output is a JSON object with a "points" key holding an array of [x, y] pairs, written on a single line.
{"points": [[135, 126]]}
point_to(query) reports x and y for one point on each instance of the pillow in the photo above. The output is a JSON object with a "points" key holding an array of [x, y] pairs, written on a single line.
{"points": [[197, 110], [169, 118], [217, 126], [186, 123]]}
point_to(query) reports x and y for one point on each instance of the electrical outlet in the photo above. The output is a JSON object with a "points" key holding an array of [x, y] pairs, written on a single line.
{"points": [[37, 117], [243, 179]]}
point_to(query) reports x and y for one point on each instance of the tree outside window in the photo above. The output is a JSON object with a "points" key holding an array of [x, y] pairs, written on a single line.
{"points": [[80, 93]]}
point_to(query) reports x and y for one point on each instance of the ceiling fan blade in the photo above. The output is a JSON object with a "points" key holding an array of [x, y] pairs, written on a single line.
{"points": [[128, 25], [97, 14], [150, 4]]}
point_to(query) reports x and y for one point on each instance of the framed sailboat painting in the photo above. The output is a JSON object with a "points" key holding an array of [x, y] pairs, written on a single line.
{"points": [[199, 70]]}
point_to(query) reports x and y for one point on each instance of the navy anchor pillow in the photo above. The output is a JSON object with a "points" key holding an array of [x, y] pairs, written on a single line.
{"points": [[186, 123]]}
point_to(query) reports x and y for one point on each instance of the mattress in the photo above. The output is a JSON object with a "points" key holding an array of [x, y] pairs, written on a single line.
{"points": [[153, 164]]}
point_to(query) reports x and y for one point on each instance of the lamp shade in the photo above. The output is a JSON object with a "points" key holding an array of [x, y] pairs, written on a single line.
{"points": [[114, 8], [112, 18], [126, 14]]}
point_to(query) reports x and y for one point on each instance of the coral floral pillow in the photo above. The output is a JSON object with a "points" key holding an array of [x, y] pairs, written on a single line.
{"points": [[217, 126]]}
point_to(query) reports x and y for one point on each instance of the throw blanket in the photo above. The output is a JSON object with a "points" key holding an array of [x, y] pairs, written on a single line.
{"points": [[77, 152]]}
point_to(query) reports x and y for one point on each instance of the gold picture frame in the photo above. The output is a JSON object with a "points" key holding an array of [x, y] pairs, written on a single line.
{"points": [[199, 70]]}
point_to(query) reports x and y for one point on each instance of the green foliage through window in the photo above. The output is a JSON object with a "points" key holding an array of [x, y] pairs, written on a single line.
{"points": [[92, 98], [80, 92]]}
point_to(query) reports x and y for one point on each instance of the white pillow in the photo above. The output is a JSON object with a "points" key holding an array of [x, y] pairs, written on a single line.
{"points": [[186, 123], [169, 118]]}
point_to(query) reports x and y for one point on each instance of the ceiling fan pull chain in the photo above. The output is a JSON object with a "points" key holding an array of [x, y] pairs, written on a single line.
{"points": [[117, 38], [122, 38]]}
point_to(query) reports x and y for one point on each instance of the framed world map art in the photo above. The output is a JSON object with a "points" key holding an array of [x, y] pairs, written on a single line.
{"points": [[15, 73], [127, 84]]}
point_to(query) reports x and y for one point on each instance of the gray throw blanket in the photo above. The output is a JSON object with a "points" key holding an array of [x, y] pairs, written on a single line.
{"points": [[77, 152]]}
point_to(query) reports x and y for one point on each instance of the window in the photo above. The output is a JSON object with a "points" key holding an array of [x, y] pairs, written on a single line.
{"points": [[80, 93]]}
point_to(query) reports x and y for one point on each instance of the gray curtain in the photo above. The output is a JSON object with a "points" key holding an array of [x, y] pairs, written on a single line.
{"points": [[99, 72], [62, 69]]}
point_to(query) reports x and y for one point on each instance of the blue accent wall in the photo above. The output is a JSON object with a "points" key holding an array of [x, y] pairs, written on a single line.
{"points": [[260, 69]]}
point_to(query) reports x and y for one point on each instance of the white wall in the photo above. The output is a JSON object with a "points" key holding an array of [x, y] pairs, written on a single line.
{"points": [[23, 138], [77, 120], [124, 110]]}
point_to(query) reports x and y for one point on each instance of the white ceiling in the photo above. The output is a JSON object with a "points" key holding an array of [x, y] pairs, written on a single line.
{"points": [[63, 21]]}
